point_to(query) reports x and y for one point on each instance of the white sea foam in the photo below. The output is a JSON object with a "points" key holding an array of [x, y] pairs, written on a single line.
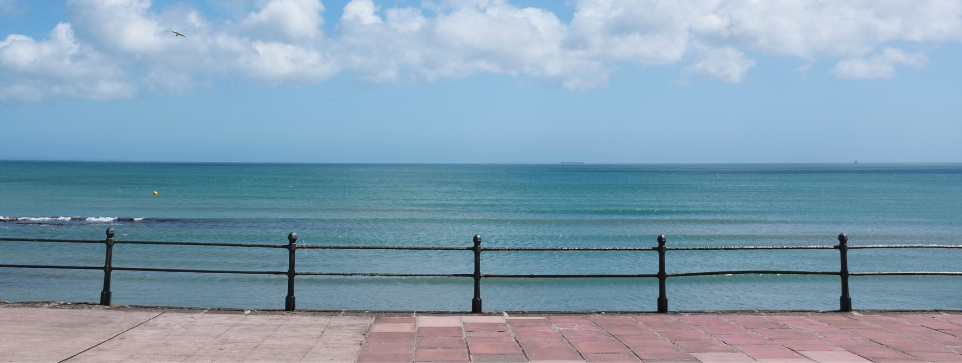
{"points": [[41, 219], [101, 219]]}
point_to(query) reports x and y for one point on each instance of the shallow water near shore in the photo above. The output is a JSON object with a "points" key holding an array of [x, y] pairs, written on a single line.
{"points": [[509, 205]]}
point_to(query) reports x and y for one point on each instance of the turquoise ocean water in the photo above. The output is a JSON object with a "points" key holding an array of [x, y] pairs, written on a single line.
{"points": [[510, 205]]}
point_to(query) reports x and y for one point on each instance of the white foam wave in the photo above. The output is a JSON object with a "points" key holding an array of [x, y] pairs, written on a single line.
{"points": [[138, 219], [101, 219], [40, 219]]}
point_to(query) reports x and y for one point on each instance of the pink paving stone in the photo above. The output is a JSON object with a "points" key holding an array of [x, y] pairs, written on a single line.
{"points": [[552, 354], [723, 358], [769, 351], [939, 357], [630, 330], [487, 334], [833, 357], [724, 329], [912, 345], [482, 319], [839, 339], [930, 322], [485, 327], [441, 355], [807, 344], [569, 319], [954, 332], [659, 353], [387, 348], [392, 328], [440, 332], [439, 321], [385, 358], [508, 339], [743, 339], [704, 346], [498, 358], [526, 321], [607, 321], [844, 323], [675, 335], [394, 320], [752, 321], [583, 336], [876, 351], [781, 333], [612, 357], [440, 342], [818, 329], [793, 320], [387, 337], [646, 341], [600, 347], [699, 320], [493, 348]]}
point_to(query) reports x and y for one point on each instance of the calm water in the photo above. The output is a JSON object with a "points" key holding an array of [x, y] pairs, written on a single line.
{"points": [[510, 205]]}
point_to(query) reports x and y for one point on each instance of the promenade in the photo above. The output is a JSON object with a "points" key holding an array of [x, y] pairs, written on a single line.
{"points": [[89, 333]]}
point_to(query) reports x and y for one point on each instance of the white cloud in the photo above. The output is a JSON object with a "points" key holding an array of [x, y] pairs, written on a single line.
{"points": [[293, 19], [879, 66], [58, 66], [725, 64], [282, 42]]}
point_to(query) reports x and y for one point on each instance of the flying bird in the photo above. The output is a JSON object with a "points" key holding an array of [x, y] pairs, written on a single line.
{"points": [[176, 34]]}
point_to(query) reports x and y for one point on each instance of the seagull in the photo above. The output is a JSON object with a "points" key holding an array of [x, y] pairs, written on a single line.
{"points": [[176, 34]]}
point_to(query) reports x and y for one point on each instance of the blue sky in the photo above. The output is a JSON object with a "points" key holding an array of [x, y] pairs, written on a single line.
{"points": [[481, 81]]}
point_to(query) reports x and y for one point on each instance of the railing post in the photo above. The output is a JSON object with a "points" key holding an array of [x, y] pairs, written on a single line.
{"points": [[105, 294], [845, 302], [476, 302], [662, 276], [291, 247]]}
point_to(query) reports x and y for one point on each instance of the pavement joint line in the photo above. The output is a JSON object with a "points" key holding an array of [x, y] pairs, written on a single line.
{"points": [[109, 339]]}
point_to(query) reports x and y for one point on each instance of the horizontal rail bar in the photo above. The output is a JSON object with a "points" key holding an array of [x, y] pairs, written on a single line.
{"points": [[569, 249], [200, 271], [902, 246], [217, 244], [723, 248], [566, 276], [415, 248], [56, 267], [907, 273], [378, 274], [51, 240], [753, 272]]}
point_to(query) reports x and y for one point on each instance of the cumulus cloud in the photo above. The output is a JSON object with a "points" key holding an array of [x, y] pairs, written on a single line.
{"points": [[878, 66], [32, 70], [725, 64], [282, 42]]}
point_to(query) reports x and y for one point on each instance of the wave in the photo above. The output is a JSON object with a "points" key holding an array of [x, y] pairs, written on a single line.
{"points": [[64, 219]]}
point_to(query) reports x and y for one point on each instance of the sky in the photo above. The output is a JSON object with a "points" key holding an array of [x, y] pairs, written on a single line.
{"points": [[482, 81]]}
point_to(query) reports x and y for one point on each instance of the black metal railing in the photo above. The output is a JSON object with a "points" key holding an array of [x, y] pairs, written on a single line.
{"points": [[845, 300]]}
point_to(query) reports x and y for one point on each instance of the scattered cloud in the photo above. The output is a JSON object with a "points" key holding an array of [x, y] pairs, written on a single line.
{"points": [[725, 65], [58, 67], [11, 7], [114, 48], [880, 66]]}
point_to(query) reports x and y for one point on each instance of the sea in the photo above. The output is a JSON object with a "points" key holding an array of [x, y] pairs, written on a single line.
{"points": [[559, 205]]}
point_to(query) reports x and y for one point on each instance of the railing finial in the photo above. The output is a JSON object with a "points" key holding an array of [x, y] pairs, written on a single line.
{"points": [[110, 233], [842, 238]]}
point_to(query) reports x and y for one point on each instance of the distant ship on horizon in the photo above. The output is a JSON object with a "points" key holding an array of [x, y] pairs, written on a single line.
{"points": [[572, 163]]}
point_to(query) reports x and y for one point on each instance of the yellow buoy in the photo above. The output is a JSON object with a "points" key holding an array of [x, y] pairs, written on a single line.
{"points": [[155, 192]]}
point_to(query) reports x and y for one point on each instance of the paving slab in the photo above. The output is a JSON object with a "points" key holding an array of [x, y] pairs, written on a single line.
{"points": [[92, 333]]}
